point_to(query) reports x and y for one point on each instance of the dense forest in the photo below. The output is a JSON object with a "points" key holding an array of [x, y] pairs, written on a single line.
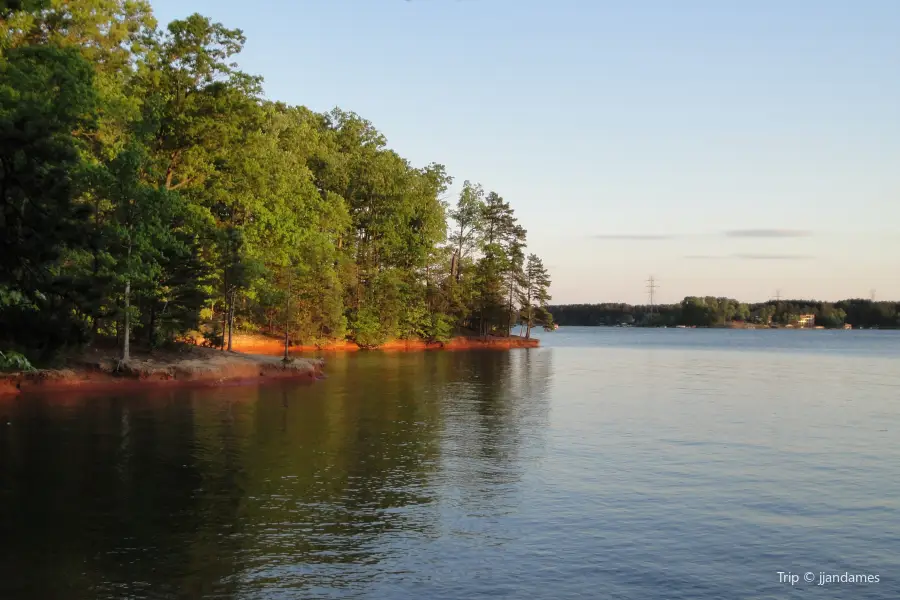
{"points": [[723, 312], [149, 192]]}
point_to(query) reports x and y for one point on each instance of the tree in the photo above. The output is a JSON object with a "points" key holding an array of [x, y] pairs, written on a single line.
{"points": [[498, 226], [468, 216], [514, 272], [46, 93], [535, 295], [709, 312], [113, 36], [140, 231], [696, 312], [148, 192], [200, 103]]}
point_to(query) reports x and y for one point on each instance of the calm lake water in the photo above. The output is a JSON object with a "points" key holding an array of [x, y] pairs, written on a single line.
{"points": [[609, 463]]}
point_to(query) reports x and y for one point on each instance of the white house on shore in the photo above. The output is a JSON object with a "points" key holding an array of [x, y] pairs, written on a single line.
{"points": [[806, 321]]}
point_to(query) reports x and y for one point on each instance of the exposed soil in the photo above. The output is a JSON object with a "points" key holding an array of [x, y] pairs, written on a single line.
{"points": [[100, 369], [263, 344], [255, 357]]}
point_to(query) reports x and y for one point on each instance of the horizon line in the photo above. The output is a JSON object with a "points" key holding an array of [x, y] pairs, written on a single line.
{"points": [[784, 300]]}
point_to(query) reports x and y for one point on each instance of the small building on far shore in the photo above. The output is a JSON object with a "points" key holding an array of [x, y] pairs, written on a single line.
{"points": [[806, 321], [848, 326]]}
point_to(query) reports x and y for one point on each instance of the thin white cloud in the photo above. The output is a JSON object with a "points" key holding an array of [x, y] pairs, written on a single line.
{"points": [[635, 237], [748, 257], [767, 233], [731, 233], [772, 256]]}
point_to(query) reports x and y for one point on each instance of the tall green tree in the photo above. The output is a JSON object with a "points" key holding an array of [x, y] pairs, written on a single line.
{"points": [[535, 295], [46, 93], [141, 232], [514, 274], [467, 217], [201, 103], [498, 226]]}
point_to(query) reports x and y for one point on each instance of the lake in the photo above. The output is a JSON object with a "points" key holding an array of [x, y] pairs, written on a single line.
{"points": [[609, 463]]}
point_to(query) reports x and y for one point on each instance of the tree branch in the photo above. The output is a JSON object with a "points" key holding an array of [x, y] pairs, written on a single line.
{"points": [[170, 171], [180, 184]]}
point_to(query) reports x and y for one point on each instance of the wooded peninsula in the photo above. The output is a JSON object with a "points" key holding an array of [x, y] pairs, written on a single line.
{"points": [[727, 312], [150, 195]]}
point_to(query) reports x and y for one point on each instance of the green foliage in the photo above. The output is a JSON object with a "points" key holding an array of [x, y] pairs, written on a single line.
{"points": [[147, 191], [468, 216], [46, 93], [414, 321], [717, 312], [366, 329], [13, 361], [439, 328], [535, 295], [832, 321], [214, 338]]}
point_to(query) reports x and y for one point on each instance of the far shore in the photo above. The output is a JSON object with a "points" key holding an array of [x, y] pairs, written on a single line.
{"points": [[738, 325]]}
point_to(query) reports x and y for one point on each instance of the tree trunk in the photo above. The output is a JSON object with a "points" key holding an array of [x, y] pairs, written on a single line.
{"points": [[529, 318], [358, 285], [429, 296], [170, 169], [287, 319], [459, 254], [152, 323], [231, 317], [224, 323], [126, 341], [126, 347], [225, 307], [509, 311]]}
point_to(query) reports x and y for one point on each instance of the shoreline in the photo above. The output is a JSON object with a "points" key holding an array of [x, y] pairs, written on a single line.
{"points": [[253, 359], [98, 371], [263, 344], [732, 327]]}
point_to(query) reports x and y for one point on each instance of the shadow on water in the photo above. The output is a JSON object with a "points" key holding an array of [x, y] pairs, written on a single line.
{"points": [[340, 488], [95, 492]]}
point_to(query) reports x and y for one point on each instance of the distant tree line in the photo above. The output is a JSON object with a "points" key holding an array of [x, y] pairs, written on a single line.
{"points": [[148, 191], [723, 312]]}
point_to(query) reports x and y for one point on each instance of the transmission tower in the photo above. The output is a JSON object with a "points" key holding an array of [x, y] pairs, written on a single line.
{"points": [[872, 294], [651, 290], [777, 295]]}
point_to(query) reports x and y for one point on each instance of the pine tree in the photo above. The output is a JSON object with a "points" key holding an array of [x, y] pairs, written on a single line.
{"points": [[500, 246], [515, 275], [535, 295]]}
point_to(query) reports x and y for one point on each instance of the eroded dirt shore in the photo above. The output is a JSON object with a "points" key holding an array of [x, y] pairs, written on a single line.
{"points": [[269, 345], [255, 358], [192, 366]]}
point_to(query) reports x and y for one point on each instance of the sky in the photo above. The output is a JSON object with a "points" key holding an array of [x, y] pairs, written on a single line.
{"points": [[724, 148]]}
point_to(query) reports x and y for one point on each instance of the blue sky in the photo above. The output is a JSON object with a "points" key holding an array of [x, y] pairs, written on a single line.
{"points": [[725, 148]]}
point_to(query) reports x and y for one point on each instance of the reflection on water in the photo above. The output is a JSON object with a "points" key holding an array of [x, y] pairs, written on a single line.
{"points": [[243, 491], [623, 464]]}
